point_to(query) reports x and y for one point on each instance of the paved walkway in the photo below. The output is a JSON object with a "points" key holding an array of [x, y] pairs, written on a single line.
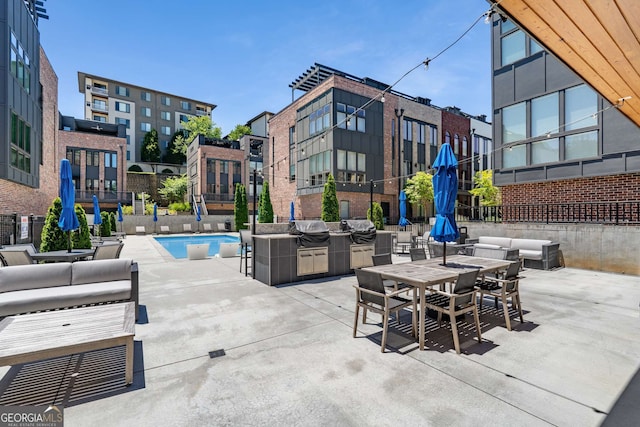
{"points": [[289, 357]]}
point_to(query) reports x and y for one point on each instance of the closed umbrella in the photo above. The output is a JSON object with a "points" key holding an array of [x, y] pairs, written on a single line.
{"points": [[403, 222], [68, 220], [445, 191], [292, 216], [198, 217], [120, 217], [155, 216], [97, 218]]}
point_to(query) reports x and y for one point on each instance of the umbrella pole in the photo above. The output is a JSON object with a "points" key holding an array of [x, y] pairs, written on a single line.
{"points": [[68, 241], [444, 253]]}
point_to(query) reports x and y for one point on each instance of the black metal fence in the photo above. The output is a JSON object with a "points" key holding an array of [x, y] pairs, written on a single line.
{"points": [[13, 229], [613, 213]]}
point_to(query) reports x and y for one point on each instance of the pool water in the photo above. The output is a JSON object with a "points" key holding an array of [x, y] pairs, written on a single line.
{"points": [[177, 245]]}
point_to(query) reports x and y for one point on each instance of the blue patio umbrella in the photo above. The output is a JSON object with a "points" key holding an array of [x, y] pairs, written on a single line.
{"points": [[97, 218], [292, 211], [198, 217], [155, 216], [120, 218], [68, 220], [445, 190], [403, 222]]}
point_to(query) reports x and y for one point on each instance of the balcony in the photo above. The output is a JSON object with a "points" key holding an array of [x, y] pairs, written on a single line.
{"points": [[101, 107], [99, 90], [201, 113]]}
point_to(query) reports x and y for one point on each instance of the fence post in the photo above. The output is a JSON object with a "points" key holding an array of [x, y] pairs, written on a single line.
{"points": [[617, 213]]}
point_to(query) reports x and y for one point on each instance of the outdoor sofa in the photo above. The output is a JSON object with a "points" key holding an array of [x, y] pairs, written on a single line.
{"points": [[40, 287], [535, 253]]}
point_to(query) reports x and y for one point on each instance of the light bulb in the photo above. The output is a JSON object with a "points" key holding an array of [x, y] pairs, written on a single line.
{"points": [[382, 98]]}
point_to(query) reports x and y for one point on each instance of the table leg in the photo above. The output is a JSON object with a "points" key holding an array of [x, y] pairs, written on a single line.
{"points": [[128, 374], [421, 326]]}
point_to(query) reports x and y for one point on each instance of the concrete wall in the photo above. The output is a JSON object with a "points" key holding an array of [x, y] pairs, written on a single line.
{"points": [[608, 248]]}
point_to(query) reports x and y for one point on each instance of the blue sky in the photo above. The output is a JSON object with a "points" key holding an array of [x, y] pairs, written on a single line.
{"points": [[242, 55]]}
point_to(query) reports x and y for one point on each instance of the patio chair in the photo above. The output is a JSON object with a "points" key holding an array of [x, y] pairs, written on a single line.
{"points": [[404, 240], [371, 295], [417, 254], [462, 299], [221, 226], [207, 227], [186, 228], [505, 286], [385, 259], [436, 249], [11, 257], [29, 247], [245, 249], [165, 229], [140, 229], [108, 251]]}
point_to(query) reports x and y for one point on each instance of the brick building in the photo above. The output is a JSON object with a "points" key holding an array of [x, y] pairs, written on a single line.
{"points": [[369, 138]]}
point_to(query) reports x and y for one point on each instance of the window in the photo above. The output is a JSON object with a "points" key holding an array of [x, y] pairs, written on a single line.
{"points": [[20, 144], [165, 100], [122, 91], [165, 130], [123, 107], [145, 111], [110, 160], [580, 107], [145, 96], [146, 127], [347, 118], [447, 138], [581, 145], [319, 168], [292, 158], [101, 119], [422, 130], [165, 115], [512, 47], [122, 121], [183, 117], [545, 151], [433, 136], [465, 147], [514, 156], [93, 158], [110, 185], [544, 115], [99, 104], [456, 144], [185, 105], [351, 166], [506, 26], [91, 184], [20, 64], [320, 119], [534, 47], [407, 130], [514, 123]]}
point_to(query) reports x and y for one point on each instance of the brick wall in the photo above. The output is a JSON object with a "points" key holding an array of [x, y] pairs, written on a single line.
{"points": [[615, 188]]}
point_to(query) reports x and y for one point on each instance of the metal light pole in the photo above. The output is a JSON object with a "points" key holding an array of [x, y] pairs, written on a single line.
{"points": [[401, 113], [255, 190], [371, 199]]}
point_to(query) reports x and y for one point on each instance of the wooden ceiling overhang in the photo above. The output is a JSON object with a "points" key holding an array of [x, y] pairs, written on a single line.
{"points": [[597, 39]]}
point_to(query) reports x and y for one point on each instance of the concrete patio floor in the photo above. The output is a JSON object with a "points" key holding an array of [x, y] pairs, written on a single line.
{"points": [[290, 359]]}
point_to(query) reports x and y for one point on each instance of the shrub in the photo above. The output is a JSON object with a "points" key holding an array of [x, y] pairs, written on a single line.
{"points": [[81, 238], [105, 227], [135, 168], [330, 208], [240, 207], [378, 219], [177, 207], [265, 208]]}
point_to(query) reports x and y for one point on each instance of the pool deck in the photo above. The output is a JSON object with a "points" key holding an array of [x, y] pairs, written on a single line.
{"points": [[290, 359]]}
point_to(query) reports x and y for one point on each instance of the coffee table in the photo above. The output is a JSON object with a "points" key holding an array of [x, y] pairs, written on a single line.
{"points": [[31, 337]]}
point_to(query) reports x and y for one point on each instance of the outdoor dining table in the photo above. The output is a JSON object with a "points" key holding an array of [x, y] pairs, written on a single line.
{"points": [[428, 273], [63, 255]]}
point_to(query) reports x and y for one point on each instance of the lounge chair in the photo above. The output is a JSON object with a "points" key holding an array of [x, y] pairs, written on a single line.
{"points": [[504, 287], [11, 257], [108, 251], [221, 227], [245, 249], [165, 229], [404, 240], [371, 295], [207, 227], [462, 299], [140, 229], [186, 228]]}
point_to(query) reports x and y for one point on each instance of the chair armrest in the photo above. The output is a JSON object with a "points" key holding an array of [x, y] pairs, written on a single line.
{"points": [[499, 280], [135, 288]]}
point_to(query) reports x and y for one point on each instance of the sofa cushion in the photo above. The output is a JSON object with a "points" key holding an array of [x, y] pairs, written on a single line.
{"points": [[23, 277], [503, 242], [529, 244], [486, 246], [31, 300], [103, 270], [529, 254]]}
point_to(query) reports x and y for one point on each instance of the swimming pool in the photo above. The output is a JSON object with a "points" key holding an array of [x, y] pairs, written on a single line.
{"points": [[177, 245]]}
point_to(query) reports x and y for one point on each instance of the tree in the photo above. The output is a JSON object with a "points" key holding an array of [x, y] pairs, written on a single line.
{"points": [[105, 227], [134, 168], [266, 209], [196, 125], [238, 132], [81, 238], [483, 187], [172, 156], [52, 237], [330, 208], [150, 147], [174, 188], [419, 189], [240, 207], [112, 220], [377, 218]]}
